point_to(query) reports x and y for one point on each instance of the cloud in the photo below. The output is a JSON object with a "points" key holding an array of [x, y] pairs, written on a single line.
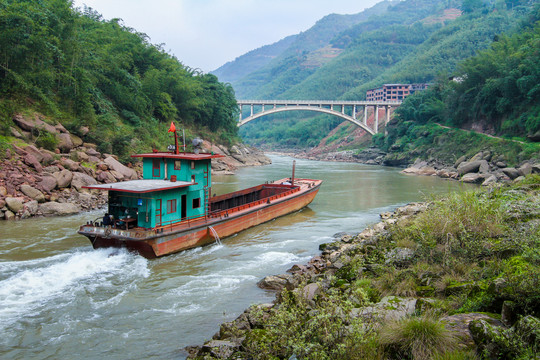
{"points": [[205, 34]]}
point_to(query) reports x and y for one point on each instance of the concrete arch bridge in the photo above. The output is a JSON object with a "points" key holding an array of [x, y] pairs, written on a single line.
{"points": [[353, 111]]}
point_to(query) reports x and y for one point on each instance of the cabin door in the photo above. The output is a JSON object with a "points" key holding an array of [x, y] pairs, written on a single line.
{"points": [[183, 206], [158, 212]]}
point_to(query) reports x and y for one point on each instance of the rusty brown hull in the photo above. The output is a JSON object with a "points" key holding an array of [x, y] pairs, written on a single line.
{"points": [[168, 240]]}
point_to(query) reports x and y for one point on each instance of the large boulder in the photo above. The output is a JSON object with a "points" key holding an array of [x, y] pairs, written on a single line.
{"points": [[31, 160], [33, 193], [124, 170], [63, 178], [511, 172], [472, 178], [33, 124], [65, 144], [70, 164], [467, 167], [75, 140], [81, 179], [14, 204], [53, 208], [48, 182]]}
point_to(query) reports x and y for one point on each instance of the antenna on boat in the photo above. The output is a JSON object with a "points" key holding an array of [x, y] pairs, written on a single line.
{"points": [[293, 166], [184, 139]]}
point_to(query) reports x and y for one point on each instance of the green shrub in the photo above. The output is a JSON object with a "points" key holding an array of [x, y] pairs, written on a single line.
{"points": [[46, 140], [417, 337]]}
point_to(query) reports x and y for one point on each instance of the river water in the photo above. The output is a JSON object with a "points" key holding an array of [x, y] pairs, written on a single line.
{"points": [[60, 299]]}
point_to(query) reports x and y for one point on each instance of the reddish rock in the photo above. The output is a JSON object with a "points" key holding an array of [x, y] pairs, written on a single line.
{"points": [[48, 183], [60, 128], [70, 164], [32, 161]]}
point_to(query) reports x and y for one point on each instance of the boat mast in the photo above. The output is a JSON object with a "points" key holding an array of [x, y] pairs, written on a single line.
{"points": [[293, 166]]}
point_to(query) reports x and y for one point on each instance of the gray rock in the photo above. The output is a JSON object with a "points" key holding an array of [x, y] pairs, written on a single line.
{"points": [[484, 167], [500, 164], [389, 308], [477, 157], [472, 178], [492, 179], [63, 178], [33, 193], [54, 208], [512, 173], [64, 142], [80, 179], [310, 291], [399, 256], [275, 282], [220, 349], [117, 166], [459, 161], [468, 167], [3, 191], [14, 204], [8, 215], [32, 207], [525, 169]]}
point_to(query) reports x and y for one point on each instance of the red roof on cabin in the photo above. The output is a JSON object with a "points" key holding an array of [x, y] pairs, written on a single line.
{"points": [[184, 156]]}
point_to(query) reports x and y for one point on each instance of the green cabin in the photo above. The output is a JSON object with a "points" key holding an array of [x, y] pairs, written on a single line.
{"points": [[174, 188]]}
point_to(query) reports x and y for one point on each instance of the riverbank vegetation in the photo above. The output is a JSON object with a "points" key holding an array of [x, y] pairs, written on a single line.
{"points": [[85, 72], [456, 278]]}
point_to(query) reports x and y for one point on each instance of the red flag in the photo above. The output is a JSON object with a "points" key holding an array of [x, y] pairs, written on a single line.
{"points": [[172, 128]]}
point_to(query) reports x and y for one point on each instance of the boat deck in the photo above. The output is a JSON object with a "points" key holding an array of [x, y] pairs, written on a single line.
{"points": [[221, 207]]}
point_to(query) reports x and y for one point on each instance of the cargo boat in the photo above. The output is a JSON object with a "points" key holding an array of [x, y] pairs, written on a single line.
{"points": [[171, 208]]}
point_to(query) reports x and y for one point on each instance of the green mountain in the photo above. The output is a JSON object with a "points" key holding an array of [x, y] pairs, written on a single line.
{"points": [[409, 41]]}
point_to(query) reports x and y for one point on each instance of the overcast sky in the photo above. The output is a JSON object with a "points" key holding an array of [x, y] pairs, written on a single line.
{"points": [[206, 34]]}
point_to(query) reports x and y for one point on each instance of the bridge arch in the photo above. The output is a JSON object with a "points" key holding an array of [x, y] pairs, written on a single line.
{"points": [[307, 108], [327, 107]]}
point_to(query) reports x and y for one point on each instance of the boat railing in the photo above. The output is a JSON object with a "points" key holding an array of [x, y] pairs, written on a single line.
{"points": [[266, 200]]}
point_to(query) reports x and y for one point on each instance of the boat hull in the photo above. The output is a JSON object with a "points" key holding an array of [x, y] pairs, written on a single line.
{"points": [[169, 241]]}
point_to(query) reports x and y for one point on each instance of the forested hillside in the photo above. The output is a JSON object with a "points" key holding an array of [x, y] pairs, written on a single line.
{"points": [[412, 41], [86, 72]]}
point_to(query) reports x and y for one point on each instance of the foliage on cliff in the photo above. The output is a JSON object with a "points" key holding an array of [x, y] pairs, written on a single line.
{"points": [[83, 70]]}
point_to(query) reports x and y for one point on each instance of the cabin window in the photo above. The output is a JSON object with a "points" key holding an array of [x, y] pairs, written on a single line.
{"points": [[156, 165], [177, 164], [192, 165], [196, 203], [193, 178], [171, 206]]}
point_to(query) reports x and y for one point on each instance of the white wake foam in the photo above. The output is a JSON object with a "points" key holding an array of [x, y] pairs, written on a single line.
{"points": [[52, 281]]}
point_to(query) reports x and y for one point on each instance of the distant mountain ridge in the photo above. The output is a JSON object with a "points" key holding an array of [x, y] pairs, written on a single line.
{"points": [[410, 41], [249, 72]]}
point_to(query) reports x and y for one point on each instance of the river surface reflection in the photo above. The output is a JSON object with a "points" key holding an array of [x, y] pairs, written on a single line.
{"points": [[61, 299]]}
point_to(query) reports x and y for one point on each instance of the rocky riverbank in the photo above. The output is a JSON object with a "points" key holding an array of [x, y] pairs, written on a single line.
{"points": [[456, 277], [38, 182], [483, 168]]}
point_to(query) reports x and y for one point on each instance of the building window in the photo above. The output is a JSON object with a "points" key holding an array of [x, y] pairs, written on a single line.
{"points": [[192, 165], [171, 206], [192, 178], [196, 203], [156, 165], [177, 164]]}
